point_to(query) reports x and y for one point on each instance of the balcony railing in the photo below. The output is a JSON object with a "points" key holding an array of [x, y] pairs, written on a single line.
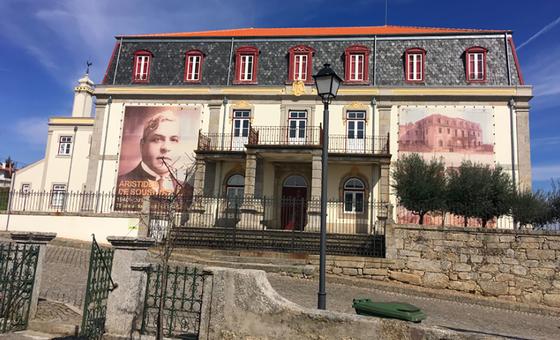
{"points": [[284, 136]]}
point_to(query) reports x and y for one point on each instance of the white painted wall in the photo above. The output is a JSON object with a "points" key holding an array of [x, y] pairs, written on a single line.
{"points": [[75, 227], [31, 174]]}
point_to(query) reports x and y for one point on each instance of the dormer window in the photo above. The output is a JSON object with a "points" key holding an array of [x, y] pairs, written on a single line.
{"points": [[356, 64], [141, 69], [300, 58], [475, 59], [193, 66], [246, 63], [414, 64]]}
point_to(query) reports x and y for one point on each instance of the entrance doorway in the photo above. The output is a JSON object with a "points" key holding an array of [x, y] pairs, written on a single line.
{"points": [[293, 212]]}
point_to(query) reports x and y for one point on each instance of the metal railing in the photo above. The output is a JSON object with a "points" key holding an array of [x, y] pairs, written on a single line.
{"points": [[289, 214], [69, 202], [365, 145], [405, 216], [285, 136]]}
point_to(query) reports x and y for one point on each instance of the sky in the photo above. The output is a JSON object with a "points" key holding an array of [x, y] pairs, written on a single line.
{"points": [[45, 45]]}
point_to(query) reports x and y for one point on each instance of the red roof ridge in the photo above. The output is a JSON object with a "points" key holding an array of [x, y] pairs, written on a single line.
{"points": [[316, 31]]}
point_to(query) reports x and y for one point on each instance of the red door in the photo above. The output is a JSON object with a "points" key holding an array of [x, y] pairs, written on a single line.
{"points": [[294, 208]]}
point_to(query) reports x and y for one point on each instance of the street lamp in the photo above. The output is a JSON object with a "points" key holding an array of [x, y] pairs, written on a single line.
{"points": [[327, 82]]}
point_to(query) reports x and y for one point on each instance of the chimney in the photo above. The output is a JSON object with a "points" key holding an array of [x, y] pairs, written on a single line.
{"points": [[83, 97]]}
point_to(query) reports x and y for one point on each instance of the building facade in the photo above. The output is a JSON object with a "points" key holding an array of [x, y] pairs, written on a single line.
{"points": [[233, 115]]}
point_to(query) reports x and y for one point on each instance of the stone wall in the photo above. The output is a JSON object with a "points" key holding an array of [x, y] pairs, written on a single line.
{"points": [[520, 266], [243, 305]]}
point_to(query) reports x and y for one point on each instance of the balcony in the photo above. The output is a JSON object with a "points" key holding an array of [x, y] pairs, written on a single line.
{"points": [[290, 137]]}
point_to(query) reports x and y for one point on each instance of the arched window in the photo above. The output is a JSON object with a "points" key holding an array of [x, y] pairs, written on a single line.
{"points": [[235, 186], [354, 193], [295, 182], [141, 68]]}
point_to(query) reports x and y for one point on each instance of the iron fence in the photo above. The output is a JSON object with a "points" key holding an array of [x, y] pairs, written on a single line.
{"points": [[182, 301], [405, 216], [274, 224], [288, 214], [69, 202], [18, 265]]}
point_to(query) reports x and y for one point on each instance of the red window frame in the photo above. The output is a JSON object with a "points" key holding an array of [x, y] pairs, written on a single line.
{"points": [[348, 70], [407, 71], [193, 53], [246, 51], [137, 55], [469, 53], [300, 50]]}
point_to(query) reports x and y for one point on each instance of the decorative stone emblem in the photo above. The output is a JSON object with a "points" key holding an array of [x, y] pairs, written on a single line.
{"points": [[298, 88], [357, 105], [242, 104]]}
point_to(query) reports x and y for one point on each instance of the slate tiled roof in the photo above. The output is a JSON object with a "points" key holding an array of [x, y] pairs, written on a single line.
{"points": [[316, 32]]}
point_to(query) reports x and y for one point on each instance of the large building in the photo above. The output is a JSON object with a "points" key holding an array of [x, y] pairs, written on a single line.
{"points": [[242, 107]]}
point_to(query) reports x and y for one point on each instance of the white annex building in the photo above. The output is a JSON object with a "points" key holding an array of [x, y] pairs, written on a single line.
{"points": [[238, 110]]}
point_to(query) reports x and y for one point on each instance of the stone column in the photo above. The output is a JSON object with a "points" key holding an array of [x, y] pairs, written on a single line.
{"points": [[97, 135], [194, 216], [523, 145], [384, 182], [200, 171], [384, 123], [40, 239], [314, 206], [250, 208], [125, 304]]}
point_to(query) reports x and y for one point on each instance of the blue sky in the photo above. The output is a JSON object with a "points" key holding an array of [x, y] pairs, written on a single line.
{"points": [[45, 44]]}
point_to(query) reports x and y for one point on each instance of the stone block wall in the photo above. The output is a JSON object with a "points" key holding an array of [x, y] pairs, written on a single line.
{"points": [[522, 266]]}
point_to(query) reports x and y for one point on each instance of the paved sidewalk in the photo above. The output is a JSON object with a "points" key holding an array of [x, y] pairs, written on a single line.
{"points": [[456, 315], [65, 275]]}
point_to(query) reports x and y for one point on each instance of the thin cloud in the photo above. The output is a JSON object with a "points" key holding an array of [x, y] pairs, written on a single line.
{"points": [[546, 141], [542, 31], [545, 172], [542, 73], [32, 130]]}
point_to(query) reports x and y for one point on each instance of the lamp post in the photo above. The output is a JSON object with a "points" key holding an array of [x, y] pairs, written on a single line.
{"points": [[327, 82]]}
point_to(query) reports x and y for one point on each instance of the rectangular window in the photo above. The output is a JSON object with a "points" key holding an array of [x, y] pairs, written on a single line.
{"points": [[142, 65], [297, 123], [300, 67], [415, 66], [65, 145], [246, 68], [355, 131], [476, 66], [241, 123], [353, 201], [357, 67], [193, 68], [57, 195]]}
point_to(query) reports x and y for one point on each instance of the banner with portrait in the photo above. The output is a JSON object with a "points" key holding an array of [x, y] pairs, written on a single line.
{"points": [[157, 153]]}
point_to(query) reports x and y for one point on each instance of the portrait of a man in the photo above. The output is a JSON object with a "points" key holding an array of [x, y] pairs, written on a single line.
{"points": [[156, 149]]}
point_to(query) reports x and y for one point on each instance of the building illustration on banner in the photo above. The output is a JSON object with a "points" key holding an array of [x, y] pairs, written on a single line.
{"points": [[452, 134]]}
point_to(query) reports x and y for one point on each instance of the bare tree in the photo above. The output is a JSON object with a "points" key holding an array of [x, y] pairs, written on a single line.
{"points": [[171, 210]]}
